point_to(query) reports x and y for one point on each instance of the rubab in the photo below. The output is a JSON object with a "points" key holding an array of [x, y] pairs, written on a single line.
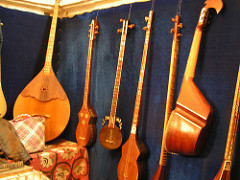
{"points": [[44, 95], [110, 135], [189, 123], [160, 174], [134, 152], [86, 129], [3, 103], [225, 170]]}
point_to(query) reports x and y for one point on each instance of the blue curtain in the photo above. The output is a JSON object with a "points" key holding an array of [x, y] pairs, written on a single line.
{"points": [[25, 37]]}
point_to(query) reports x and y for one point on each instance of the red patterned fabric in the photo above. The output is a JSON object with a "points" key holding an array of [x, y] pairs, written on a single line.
{"points": [[62, 160]]}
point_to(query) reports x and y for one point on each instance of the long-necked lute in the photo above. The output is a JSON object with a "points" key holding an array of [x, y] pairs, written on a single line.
{"points": [[134, 152], [110, 135], [160, 174], [86, 129], [190, 122], [44, 95], [225, 170], [3, 103]]}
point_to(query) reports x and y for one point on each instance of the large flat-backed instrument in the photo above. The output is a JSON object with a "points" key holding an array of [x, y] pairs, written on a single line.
{"points": [[189, 123], [44, 95]]}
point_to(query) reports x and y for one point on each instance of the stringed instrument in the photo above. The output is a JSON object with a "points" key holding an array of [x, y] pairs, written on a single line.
{"points": [[86, 129], [160, 174], [134, 151], [3, 103], [225, 170], [110, 135], [190, 122], [44, 95]]}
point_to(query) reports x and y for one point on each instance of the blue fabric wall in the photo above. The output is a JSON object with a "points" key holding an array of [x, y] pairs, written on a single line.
{"points": [[23, 54]]}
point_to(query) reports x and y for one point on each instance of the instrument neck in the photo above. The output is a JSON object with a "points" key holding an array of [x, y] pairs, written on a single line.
{"points": [[193, 55], [142, 75], [118, 74], [233, 122], [86, 98], [51, 39], [171, 83]]}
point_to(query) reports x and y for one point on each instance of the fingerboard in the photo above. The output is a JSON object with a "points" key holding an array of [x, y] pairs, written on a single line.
{"points": [[142, 73], [118, 74], [51, 39], [92, 36], [193, 54], [233, 122]]}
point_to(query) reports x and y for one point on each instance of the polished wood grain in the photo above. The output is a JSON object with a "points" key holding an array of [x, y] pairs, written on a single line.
{"points": [[160, 174], [189, 123], [110, 135], [86, 129], [44, 95], [132, 165]]}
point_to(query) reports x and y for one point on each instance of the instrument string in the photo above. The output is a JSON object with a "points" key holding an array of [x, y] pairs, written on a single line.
{"points": [[130, 10], [152, 5], [179, 7], [97, 14]]}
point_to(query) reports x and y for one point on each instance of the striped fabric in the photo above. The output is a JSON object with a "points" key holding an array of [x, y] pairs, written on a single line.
{"points": [[31, 131]]}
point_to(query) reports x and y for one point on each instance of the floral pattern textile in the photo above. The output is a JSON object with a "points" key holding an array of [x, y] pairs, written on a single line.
{"points": [[62, 160]]}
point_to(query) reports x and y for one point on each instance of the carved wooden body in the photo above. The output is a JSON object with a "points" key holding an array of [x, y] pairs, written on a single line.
{"points": [[160, 174], [134, 151], [44, 95], [225, 170], [86, 129], [110, 136], [189, 123], [132, 164]]}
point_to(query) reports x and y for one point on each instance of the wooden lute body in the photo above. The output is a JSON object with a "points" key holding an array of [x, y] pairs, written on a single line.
{"points": [[44, 95], [160, 174], [189, 123], [132, 165], [3, 103], [86, 129], [225, 170], [110, 135]]}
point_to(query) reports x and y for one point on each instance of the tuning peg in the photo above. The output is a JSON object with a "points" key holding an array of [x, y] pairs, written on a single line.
{"points": [[174, 20], [145, 28], [96, 27], [89, 25], [131, 26], [179, 35], [119, 31], [89, 30], [172, 30], [121, 20], [146, 18], [1, 24], [180, 25], [89, 36], [96, 32]]}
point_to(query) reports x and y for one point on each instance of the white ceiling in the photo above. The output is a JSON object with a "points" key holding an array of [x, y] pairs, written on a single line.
{"points": [[68, 8]]}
